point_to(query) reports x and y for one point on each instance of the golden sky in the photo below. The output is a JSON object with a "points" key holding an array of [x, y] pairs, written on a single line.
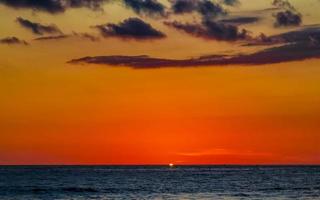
{"points": [[252, 101]]}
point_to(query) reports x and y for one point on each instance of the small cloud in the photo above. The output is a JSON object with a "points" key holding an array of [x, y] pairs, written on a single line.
{"points": [[131, 28], [65, 36], [184, 6], [12, 41], [211, 30], [87, 36], [288, 18], [146, 7], [56, 37], [210, 9], [207, 9], [240, 20], [38, 28]]}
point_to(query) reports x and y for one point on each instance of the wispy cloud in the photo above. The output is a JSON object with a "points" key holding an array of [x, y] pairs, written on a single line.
{"points": [[222, 152], [12, 41], [37, 28], [240, 20], [285, 53], [55, 37], [86, 36]]}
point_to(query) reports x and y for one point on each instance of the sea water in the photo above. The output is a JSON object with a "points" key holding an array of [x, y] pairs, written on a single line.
{"points": [[159, 182]]}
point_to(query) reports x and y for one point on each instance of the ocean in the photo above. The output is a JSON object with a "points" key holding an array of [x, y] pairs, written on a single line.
{"points": [[159, 182]]}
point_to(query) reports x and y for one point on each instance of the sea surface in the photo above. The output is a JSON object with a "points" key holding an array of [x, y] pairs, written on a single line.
{"points": [[159, 182]]}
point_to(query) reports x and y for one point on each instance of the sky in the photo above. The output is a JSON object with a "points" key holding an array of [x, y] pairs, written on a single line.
{"points": [[120, 82]]}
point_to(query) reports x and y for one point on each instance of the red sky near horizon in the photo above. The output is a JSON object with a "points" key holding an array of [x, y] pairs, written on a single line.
{"points": [[114, 112]]}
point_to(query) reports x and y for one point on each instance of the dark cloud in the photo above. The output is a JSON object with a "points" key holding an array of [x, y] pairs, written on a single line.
{"points": [[38, 28], [286, 53], [292, 46], [65, 36], [131, 28], [303, 35], [53, 6], [13, 40], [147, 7], [212, 30], [208, 9], [288, 18], [56, 37], [184, 6], [240, 20]]}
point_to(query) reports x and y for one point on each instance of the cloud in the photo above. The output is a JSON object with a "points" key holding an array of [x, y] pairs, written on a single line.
{"points": [[13, 40], [306, 34], [222, 152], [131, 28], [183, 6], [208, 9], [53, 6], [147, 7], [285, 53], [211, 30], [56, 37], [38, 28], [240, 20], [65, 36], [302, 35], [87, 36], [231, 2], [288, 18]]}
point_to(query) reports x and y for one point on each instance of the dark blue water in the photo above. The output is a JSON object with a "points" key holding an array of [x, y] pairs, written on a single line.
{"points": [[159, 182]]}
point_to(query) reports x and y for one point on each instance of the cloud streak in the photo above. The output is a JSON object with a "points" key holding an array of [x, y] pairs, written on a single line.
{"points": [[13, 41], [285, 53], [37, 28], [240, 20], [55, 37], [53, 6], [86, 36]]}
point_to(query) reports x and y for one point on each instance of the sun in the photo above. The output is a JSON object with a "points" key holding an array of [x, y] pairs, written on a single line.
{"points": [[171, 165]]}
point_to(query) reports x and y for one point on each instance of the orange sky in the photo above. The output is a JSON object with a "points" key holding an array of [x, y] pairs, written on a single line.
{"points": [[52, 112]]}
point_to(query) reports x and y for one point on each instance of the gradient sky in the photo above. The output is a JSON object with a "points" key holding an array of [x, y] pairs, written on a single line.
{"points": [[251, 109]]}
